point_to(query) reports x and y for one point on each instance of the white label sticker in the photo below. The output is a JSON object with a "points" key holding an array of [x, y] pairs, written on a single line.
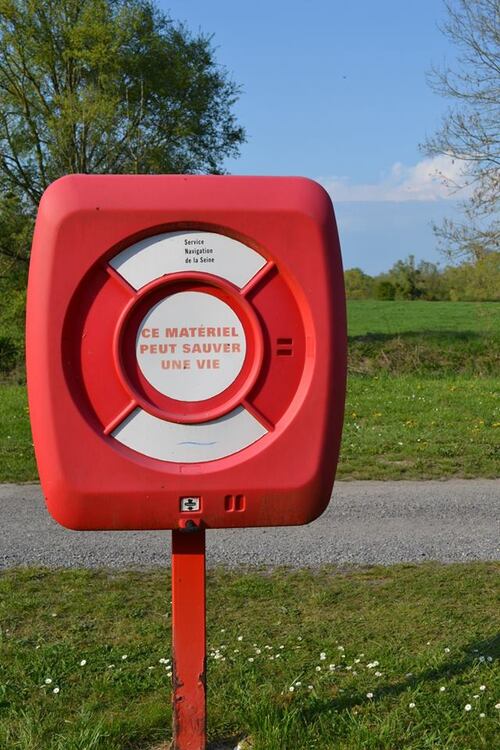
{"points": [[192, 251], [190, 504], [191, 346]]}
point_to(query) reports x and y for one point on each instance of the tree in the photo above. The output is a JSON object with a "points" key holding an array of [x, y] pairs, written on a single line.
{"points": [[358, 285], [99, 86], [430, 282], [405, 278], [477, 281], [384, 290], [470, 131], [16, 227]]}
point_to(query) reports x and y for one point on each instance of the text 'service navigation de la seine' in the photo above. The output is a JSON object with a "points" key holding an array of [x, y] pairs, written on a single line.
{"points": [[197, 251]]}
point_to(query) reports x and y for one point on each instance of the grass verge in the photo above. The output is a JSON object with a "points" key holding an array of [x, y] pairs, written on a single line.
{"points": [[404, 427], [445, 338], [17, 460], [411, 427], [378, 658], [401, 316]]}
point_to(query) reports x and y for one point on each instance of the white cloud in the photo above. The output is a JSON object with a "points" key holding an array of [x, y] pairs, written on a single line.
{"points": [[428, 180]]}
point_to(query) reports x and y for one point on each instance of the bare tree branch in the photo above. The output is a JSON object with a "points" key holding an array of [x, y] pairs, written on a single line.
{"points": [[470, 132]]}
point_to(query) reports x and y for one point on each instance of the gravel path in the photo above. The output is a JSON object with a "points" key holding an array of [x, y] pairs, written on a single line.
{"points": [[366, 523]]}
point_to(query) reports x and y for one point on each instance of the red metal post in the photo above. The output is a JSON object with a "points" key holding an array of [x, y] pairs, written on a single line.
{"points": [[188, 640]]}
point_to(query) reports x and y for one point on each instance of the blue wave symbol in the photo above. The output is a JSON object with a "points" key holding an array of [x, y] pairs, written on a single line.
{"points": [[194, 442]]}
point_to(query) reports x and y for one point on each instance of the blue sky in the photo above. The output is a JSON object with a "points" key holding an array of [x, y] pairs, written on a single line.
{"points": [[337, 92]]}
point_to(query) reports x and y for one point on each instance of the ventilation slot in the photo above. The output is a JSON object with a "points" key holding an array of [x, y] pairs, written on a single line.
{"points": [[284, 347], [234, 503]]}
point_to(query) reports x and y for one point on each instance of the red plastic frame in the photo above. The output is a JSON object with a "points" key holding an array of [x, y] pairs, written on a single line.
{"points": [[77, 394], [143, 393]]}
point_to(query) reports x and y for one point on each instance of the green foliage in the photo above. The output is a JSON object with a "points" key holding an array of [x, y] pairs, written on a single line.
{"points": [[405, 277], [477, 280], [12, 310], [8, 354], [359, 285], [384, 290], [99, 86], [16, 228], [431, 282], [107, 86]]}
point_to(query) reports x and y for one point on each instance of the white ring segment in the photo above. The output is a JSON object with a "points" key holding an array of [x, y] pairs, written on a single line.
{"points": [[189, 443], [191, 251]]}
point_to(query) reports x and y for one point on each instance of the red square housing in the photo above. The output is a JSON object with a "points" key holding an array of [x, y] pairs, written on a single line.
{"points": [[186, 350]]}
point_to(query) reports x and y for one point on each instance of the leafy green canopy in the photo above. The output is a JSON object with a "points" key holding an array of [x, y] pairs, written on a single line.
{"points": [[99, 86], [475, 280]]}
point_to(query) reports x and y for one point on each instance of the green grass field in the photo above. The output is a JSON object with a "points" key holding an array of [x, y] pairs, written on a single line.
{"points": [[411, 337], [424, 338], [398, 317], [404, 427], [423, 396], [400, 658], [410, 427], [380, 658]]}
